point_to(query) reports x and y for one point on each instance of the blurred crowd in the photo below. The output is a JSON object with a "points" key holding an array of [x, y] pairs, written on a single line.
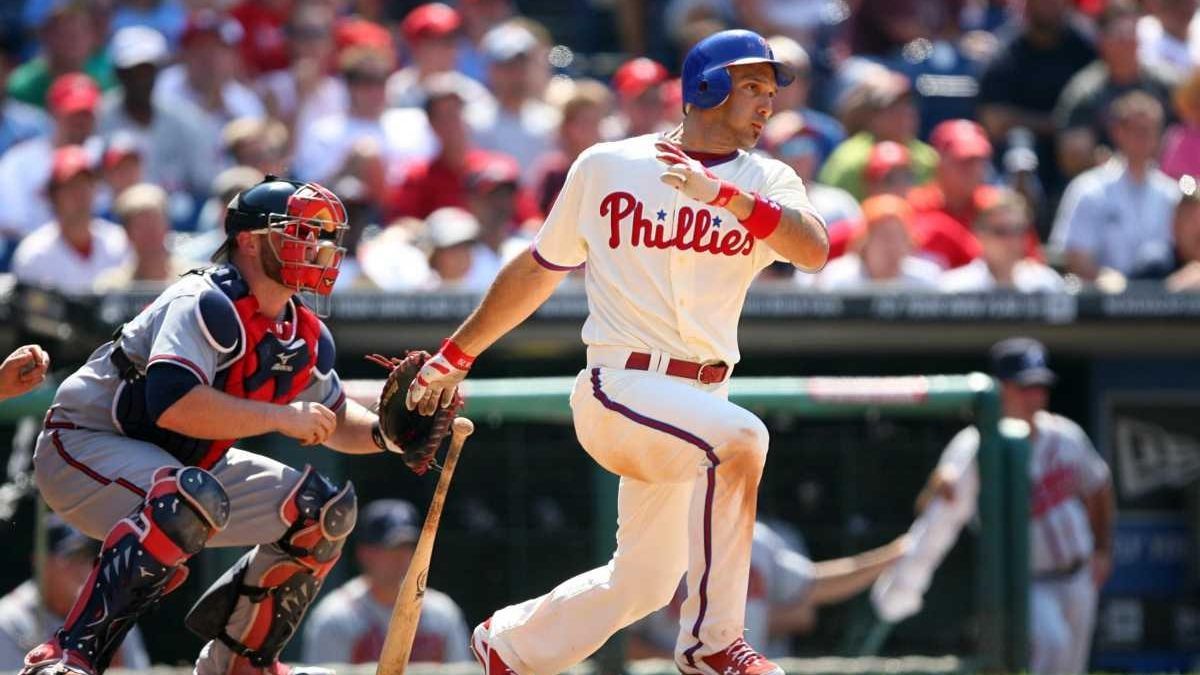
{"points": [[961, 145]]}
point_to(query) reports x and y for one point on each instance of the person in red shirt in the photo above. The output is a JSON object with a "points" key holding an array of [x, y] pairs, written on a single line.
{"points": [[442, 181], [265, 47]]}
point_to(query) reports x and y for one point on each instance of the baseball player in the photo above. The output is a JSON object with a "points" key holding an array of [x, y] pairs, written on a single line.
{"points": [[23, 370], [673, 230], [1071, 514], [350, 624], [136, 449]]}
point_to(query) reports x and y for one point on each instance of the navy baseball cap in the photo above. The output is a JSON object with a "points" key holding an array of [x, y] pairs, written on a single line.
{"points": [[1022, 360], [64, 540], [389, 523]]}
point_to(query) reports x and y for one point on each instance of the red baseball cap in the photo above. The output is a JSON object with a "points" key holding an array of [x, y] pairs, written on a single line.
{"points": [[884, 157], [634, 77], [491, 171], [71, 93], [431, 20], [961, 139], [209, 22], [356, 32], [69, 161]]}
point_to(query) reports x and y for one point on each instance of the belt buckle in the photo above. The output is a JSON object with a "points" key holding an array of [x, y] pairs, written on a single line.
{"points": [[704, 368]]}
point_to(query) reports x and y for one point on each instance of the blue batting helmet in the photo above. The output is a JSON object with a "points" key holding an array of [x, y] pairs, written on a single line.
{"points": [[706, 80]]}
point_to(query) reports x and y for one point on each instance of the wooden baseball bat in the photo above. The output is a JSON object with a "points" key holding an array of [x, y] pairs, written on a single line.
{"points": [[397, 645]]}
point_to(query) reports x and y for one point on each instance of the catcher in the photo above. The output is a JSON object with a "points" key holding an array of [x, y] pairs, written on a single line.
{"points": [[137, 449]]}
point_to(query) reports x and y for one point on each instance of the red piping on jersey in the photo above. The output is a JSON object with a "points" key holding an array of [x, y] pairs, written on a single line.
{"points": [[89, 471]]}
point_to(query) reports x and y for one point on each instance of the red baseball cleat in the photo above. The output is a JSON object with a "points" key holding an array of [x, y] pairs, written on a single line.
{"points": [[739, 658], [489, 659], [49, 658]]}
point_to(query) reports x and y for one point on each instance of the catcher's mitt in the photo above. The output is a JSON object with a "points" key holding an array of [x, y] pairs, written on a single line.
{"points": [[417, 437]]}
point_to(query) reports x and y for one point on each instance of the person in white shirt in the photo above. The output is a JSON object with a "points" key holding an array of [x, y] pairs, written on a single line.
{"points": [[73, 250], [306, 91], [673, 229], [520, 124], [880, 253], [1118, 215], [1002, 227], [1169, 37], [431, 32]]}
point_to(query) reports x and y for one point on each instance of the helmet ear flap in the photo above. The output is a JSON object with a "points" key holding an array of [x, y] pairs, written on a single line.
{"points": [[713, 87]]}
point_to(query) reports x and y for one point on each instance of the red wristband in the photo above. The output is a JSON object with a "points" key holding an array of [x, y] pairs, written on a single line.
{"points": [[456, 356], [763, 218], [726, 192]]}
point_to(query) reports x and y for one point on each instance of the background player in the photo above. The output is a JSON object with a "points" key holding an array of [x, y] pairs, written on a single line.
{"points": [[1072, 511], [23, 370], [349, 625], [670, 254], [136, 449]]}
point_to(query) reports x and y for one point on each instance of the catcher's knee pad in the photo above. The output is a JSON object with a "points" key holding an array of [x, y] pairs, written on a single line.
{"points": [[280, 580], [142, 559]]}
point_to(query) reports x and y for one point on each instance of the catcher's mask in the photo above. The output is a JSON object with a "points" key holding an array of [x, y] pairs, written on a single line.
{"points": [[304, 224]]}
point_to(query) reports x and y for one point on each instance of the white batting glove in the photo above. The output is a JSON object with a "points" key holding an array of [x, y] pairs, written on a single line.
{"points": [[438, 379], [691, 177]]}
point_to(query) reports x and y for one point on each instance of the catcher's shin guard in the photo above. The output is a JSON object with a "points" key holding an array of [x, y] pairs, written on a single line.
{"points": [[279, 581], [141, 560]]}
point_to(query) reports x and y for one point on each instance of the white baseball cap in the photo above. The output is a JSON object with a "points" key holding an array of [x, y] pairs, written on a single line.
{"points": [[507, 41], [451, 226], [135, 45]]}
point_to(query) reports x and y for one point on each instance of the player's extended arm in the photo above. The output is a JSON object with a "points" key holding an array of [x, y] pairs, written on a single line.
{"points": [[1102, 511], [353, 432], [204, 412], [799, 237], [520, 288]]}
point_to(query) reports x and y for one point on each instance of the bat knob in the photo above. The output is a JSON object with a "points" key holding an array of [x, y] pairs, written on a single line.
{"points": [[462, 427]]}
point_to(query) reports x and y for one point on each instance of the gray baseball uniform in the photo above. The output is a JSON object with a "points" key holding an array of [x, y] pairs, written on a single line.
{"points": [[349, 626]]}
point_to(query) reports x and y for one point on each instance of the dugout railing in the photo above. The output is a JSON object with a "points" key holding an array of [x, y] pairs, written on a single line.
{"points": [[1001, 577]]}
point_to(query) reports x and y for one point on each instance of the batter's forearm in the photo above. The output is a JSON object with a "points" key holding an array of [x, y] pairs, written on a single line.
{"points": [[520, 288], [800, 237], [207, 413], [353, 433]]}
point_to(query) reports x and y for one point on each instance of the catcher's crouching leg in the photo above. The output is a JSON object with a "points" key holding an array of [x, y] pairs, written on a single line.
{"points": [[141, 560], [252, 611]]}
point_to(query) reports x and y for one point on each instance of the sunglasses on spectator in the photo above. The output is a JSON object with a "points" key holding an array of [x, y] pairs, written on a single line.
{"points": [[364, 77], [309, 32], [1006, 231]]}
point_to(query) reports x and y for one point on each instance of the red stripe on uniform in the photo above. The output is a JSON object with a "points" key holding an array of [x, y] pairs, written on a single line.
{"points": [[66, 456]]}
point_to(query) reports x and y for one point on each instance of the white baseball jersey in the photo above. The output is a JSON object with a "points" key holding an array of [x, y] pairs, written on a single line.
{"points": [[1063, 466], [666, 272]]}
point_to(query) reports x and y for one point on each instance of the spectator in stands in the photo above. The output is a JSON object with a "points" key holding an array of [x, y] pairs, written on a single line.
{"points": [[889, 170], [260, 143], [392, 261], [210, 225], [31, 609], [69, 45], [74, 249], [442, 180], [479, 17], [1168, 37], [165, 16], [1118, 215], [142, 210], [788, 138], [1182, 271], [786, 589], [879, 109], [583, 114], [520, 124], [826, 130], [20, 372], [264, 24], [431, 32], [350, 624], [452, 236], [1002, 227], [171, 135], [946, 206], [1081, 113], [881, 253], [368, 138], [120, 167], [26, 167], [494, 188], [1181, 143], [208, 70], [19, 121], [640, 109], [1023, 81], [306, 90]]}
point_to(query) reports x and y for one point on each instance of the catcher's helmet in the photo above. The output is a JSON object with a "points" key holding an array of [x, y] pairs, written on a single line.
{"points": [[706, 80], [309, 222]]}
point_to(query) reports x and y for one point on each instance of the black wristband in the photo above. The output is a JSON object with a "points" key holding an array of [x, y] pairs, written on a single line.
{"points": [[377, 436]]}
